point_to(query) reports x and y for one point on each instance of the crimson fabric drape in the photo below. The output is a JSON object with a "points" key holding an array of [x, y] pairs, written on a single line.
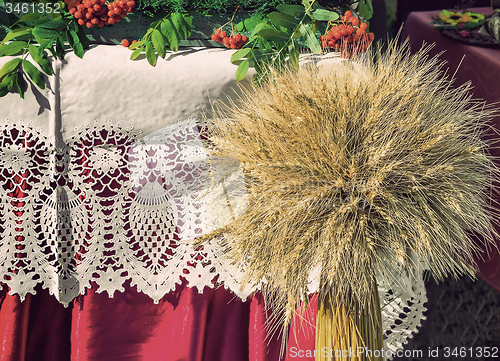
{"points": [[184, 326]]}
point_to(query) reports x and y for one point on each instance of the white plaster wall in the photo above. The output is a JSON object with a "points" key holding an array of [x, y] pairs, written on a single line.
{"points": [[107, 85]]}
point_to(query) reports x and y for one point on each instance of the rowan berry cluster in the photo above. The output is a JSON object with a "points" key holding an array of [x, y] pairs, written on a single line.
{"points": [[235, 41], [349, 36], [99, 12]]}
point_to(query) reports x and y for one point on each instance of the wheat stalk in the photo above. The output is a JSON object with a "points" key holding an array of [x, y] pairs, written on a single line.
{"points": [[361, 168]]}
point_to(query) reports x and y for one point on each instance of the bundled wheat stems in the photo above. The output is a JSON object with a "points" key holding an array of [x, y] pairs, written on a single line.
{"points": [[362, 168]]}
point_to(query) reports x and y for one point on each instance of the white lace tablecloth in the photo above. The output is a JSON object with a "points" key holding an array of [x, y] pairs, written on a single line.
{"points": [[88, 199]]}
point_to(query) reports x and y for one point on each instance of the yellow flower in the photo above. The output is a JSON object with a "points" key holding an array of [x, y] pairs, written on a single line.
{"points": [[455, 18], [470, 17], [451, 17]]}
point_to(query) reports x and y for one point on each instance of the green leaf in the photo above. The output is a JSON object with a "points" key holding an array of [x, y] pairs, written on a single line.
{"points": [[34, 74], [135, 54], [252, 22], [83, 37], [257, 54], [182, 26], [15, 33], [38, 56], [240, 54], [315, 26], [27, 17], [74, 42], [150, 53], [60, 47], [240, 26], [12, 48], [9, 66], [6, 84], [292, 10], [41, 21], [45, 33], [159, 43], [168, 32], [35, 52], [365, 9], [283, 20], [264, 44], [54, 25], [273, 35], [242, 69], [21, 85], [136, 45], [311, 40], [256, 30], [293, 57], [324, 15]]}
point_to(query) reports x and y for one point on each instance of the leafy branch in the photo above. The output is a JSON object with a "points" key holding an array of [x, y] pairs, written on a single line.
{"points": [[37, 35], [166, 31]]}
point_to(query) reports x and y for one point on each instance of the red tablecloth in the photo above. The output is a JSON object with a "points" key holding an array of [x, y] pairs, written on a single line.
{"points": [[481, 66]]}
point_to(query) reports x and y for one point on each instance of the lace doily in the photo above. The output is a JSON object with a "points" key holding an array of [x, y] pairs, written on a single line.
{"points": [[109, 205]]}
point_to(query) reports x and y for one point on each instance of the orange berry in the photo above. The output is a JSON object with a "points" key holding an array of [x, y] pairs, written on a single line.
{"points": [[355, 37], [72, 11], [94, 21], [215, 37], [225, 40], [337, 34], [125, 43], [134, 41], [329, 36], [322, 37], [100, 23], [131, 4], [112, 20], [363, 26], [78, 15], [223, 34], [81, 21], [355, 21], [80, 7], [244, 39], [97, 7], [89, 24], [371, 36], [348, 14], [331, 43]]}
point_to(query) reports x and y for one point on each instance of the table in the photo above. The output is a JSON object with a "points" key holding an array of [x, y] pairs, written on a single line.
{"points": [[479, 65], [72, 162]]}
